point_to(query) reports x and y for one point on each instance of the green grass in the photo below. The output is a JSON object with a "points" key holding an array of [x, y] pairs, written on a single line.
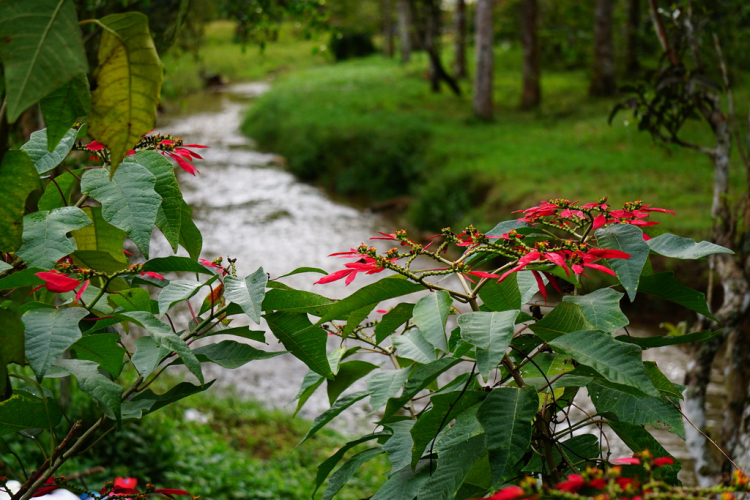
{"points": [[565, 149]]}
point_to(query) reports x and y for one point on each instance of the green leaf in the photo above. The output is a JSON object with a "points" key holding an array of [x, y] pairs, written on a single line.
{"points": [[384, 385], [355, 319], [453, 466], [638, 439], [349, 372], [334, 411], [301, 270], [175, 292], [629, 239], [239, 331], [102, 349], [661, 382], [616, 361], [656, 341], [44, 235], [601, 309], [392, 320], [326, 467], [57, 194], [18, 178], [430, 316], [304, 340], [404, 483], [576, 449], [25, 277], [190, 236], [147, 355], [247, 293], [41, 50], [175, 264], [296, 301], [24, 412], [347, 470], [490, 333], [412, 345], [232, 354], [44, 160], [128, 82], [310, 384], [678, 247], [506, 416], [100, 261], [552, 365], [12, 346], [666, 286], [515, 290], [164, 337], [101, 236], [63, 107], [565, 318], [420, 378], [657, 411], [399, 445], [149, 402], [387, 288], [49, 333], [169, 217], [445, 408], [128, 200], [96, 385]]}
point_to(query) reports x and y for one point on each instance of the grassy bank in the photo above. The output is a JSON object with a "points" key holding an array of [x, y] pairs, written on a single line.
{"points": [[366, 127]]}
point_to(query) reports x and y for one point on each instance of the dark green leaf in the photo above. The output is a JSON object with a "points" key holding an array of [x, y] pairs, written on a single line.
{"points": [[44, 160], [310, 384], [656, 341], [12, 346], [55, 191], [96, 385], [629, 239], [399, 445], [148, 402], [296, 301], [301, 270], [576, 449], [63, 107], [638, 439], [25, 277], [420, 378], [22, 412], [49, 333], [232, 354], [453, 466], [404, 483], [101, 236], [334, 411], [384, 385], [134, 299], [303, 339], [247, 293], [175, 264], [356, 318], [565, 318], [677, 247], [190, 236], [349, 372], [102, 349], [18, 178], [45, 238], [666, 286], [601, 309], [490, 333], [392, 320], [326, 467], [345, 472], [147, 355], [240, 331], [430, 316]]}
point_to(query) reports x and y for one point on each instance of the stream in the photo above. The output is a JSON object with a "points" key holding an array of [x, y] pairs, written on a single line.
{"points": [[247, 207]]}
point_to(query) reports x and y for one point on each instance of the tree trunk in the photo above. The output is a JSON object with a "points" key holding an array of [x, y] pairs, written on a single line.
{"points": [[387, 7], [432, 40], [459, 19], [603, 75], [632, 37], [404, 30], [485, 61], [531, 96]]}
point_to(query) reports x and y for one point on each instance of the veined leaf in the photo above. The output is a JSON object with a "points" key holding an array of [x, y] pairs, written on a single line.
{"points": [[666, 286], [348, 373], [638, 439], [128, 84], [616, 361], [601, 309], [296, 301], [384, 385], [420, 378], [656, 341], [506, 416], [326, 467], [345, 472], [629, 239], [399, 445], [232, 354], [175, 264], [490, 333], [102, 349], [175, 292], [12, 346], [247, 293], [412, 345], [565, 318], [57, 194], [96, 385], [44, 235], [45, 160], [25, 277], [190, 236], [49, 333], [453, 466], [334, 411], [41, 50], [404, 483], [63, 107], [148, 402], [392, 320], [147, 355], [18, 178], [430, 316], [303, 339], [101, 236], [310, 384], [23, 412], [128, 200], [514, 291], [677, 247]]}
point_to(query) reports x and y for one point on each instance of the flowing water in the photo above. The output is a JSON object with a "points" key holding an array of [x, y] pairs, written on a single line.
{"points": [[249, 208]]}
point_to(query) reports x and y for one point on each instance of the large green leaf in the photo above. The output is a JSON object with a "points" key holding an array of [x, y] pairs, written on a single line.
{"points": [[348, 373], [25, 277], [506, 416], [384, 385], [49, 333], [309, 385], [399, 445], [392, 320], [412, 345], [190, 236], [639, 439], [303, 339], [45, 160], [92, 382], [175, 264], [296, 301], [678, 247], [232, 354], [24, 412], [490, 333], [12, 346], [128, 82], [326, 467], [148, 401], [347, 470], [404, 483], [45, 238], [666, 286], [565, 318], [247, 293], [63, 107], [103, 349], [576, 450], [601, 308], [177, 291], [147, 355], [41, 49], [420, 378], [657, 341], [515, 290], [616, 361], [453, 466], [128, 200], [627, 407], [334, 411], [101, 236], [629, 239], [18, 178], [387, 288], [58, 194], [169, 217], [430, 316]]}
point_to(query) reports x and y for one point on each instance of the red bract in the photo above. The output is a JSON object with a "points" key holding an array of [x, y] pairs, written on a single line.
{"points": [[152, 274], [598, 483], [627, 461], [572, 484], [545, 209], [49, 487], [180, 153], [509, 493], [366, 264], [57, 282], [171, 491], [661, 461]]}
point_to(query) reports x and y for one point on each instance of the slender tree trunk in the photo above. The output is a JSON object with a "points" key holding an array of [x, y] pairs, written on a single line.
{"points": [[432, 41], [603, 74], [531, 96], [483, 82], [632, 37], [404, 30], [459, 19], [388, 42]]}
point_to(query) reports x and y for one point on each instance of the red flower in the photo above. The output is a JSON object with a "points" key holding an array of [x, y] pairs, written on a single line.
{"points": [[49, 487], [56, 282], [627, 461], [152, 274], [661, 461], [482, 274], [544, 209], [598, 483], [509, 493], [95, 146], [574, 483], [180, 153], [171, 491]]}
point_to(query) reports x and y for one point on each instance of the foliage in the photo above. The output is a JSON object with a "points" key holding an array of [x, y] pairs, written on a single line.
{"points": [[351, 44]]}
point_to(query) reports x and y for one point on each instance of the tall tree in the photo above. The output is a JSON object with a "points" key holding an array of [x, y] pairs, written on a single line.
{"points": [[485, 61], [603, 75], [404, 29], [428, 16], [388, 39], [531, 96], [632, 36], [459, 23]]}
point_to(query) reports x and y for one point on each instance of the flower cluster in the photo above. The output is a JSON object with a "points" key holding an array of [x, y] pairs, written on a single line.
{"points": [[121, 487]]}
